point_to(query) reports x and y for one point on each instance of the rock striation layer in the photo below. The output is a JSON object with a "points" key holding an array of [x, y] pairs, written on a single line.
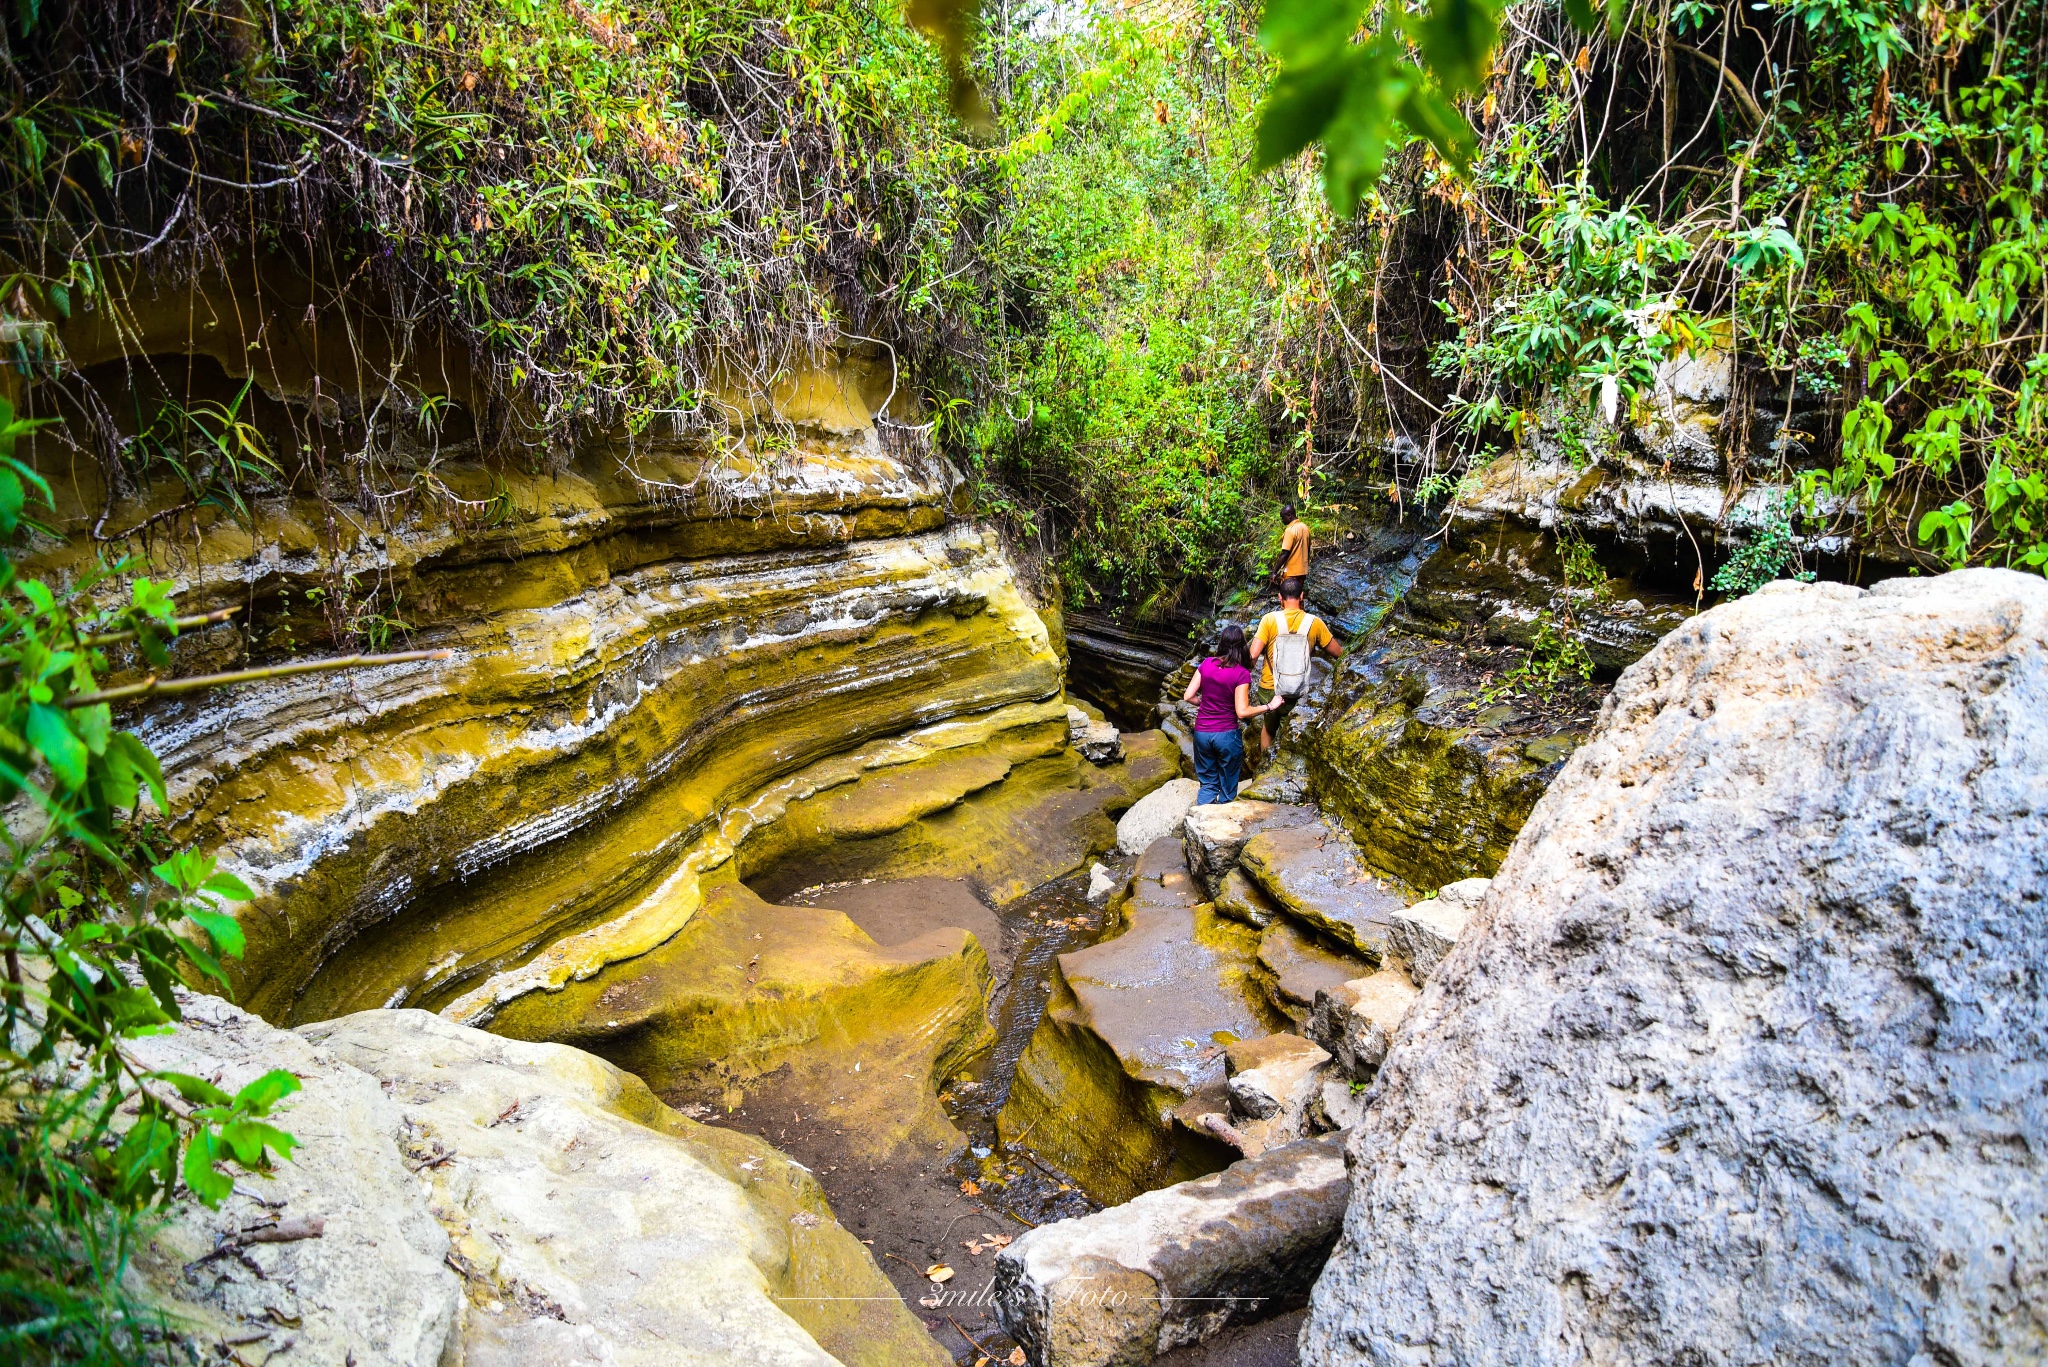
{"points": [[1743, 1056]]}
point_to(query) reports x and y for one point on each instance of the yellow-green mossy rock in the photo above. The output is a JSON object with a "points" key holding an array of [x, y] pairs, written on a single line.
{"points": [[1007, 817], [1431, 780], [1134, 1026], [749, 992]]}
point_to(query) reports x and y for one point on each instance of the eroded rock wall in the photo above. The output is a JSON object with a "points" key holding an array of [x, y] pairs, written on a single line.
{"points": [[672, 658]]}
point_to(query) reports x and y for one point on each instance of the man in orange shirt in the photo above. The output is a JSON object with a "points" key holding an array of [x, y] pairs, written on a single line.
{"points": [[1292, 619], [1292, 562]]}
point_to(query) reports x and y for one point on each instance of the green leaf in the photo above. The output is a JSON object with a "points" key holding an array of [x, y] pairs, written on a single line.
{"points": [[1583, 16], [94, 725], [1299, 105], [256, 1098], [1355, 145], [228, 886], [185, 870], [136, 761], [209, 1186], [1303, 33], [1457, 38], [249, 1138], [49, 731], [12, 497], [224, 930], [196, 1091]]}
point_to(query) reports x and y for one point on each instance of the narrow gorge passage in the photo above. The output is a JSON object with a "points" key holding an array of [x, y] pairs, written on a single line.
{"points": [[957, 1203]]}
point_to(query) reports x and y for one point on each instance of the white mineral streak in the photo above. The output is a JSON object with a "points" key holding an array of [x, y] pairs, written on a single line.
{"points": [[633, 618], [668, 908]]}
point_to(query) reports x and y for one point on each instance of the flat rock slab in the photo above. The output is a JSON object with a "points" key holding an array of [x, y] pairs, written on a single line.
{"points": [[1313, 875], [1134, 1026], [1175, 1266], [1163, 992], [1215, 833], [1298, 965]]}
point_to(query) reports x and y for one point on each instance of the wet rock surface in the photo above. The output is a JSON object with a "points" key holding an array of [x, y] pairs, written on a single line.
{"points": [[1742, 1058], [1314, 875], [1176, 1266], [1135, 1025]]}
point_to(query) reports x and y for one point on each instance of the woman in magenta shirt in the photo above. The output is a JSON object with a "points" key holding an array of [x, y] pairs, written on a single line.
{"points": [[1221, 690]]}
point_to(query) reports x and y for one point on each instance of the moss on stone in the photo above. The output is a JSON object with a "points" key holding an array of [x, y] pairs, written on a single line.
{"points": [[748, 990]]}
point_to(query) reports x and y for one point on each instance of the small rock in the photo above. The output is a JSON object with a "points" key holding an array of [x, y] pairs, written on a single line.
{"points": [[1272, 1075], [1356, 1021], [1101, 883], [1240, 899], [1339, 1104], [1424, 933], [1098, 741], [1158, 813]]}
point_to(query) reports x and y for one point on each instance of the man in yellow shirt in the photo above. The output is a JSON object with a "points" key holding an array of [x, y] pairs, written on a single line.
{"points": [[1294, 620], [1292, 562]]}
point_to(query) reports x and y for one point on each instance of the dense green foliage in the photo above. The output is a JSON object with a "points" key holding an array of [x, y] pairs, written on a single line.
{"points": [[1847, 197], [100, 922]]}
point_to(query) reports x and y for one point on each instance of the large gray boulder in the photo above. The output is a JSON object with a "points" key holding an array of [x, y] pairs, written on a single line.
{"points": [[1744, 1057]]}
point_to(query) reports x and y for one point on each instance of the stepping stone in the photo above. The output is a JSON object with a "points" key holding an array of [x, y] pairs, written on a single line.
{"points": [[1135, 1025], [1298, 966], [1314, 876], [1424, 933], [1173, 1267], [1216, 833], [1356, 1021]]}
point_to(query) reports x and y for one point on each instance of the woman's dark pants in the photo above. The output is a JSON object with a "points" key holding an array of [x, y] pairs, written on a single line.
{"points": [[1219, 758]]}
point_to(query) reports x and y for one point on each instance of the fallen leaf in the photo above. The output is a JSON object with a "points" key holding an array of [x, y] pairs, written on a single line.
{"points": [[970, 1188], [1016, 1357], [998, 1241], [939, 1272]]}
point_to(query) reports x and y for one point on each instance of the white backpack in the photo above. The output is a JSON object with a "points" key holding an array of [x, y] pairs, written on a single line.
{"points": [[1291, 652]]}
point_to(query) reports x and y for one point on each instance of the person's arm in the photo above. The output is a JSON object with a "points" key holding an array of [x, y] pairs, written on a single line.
{"points": [[1194, 687], [1245, 710], [1286, 550], [1259, 643], [1329, 642]]}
